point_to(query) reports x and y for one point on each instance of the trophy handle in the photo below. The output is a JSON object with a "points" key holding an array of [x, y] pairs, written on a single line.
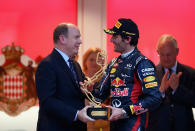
{"points": [[101, 60]]}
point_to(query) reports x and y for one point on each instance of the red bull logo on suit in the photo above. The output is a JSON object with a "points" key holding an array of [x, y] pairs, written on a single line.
{"points": [[118, 82]]}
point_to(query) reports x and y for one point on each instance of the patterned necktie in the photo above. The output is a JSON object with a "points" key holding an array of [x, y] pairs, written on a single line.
{"points": [[168, 92], [71, 65]]}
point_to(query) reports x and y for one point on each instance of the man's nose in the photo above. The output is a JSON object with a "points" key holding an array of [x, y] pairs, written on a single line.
{"points": [[80, 41]]}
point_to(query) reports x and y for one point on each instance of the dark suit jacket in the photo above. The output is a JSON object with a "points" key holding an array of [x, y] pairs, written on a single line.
{"points": [[59, 95], [182, 102]]}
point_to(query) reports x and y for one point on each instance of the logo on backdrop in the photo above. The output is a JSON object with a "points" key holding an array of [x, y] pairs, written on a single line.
{"points": [[17, 84]]}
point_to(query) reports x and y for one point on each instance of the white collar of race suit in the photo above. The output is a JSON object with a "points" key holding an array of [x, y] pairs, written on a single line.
{"points": [[126, 54]]}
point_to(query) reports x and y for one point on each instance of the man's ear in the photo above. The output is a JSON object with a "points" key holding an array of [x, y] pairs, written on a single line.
{"points": [[158, 52], [128, 39], [62, 39]]}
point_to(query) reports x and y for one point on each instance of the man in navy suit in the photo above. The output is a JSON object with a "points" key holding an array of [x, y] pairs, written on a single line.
{"points": [[57, 82], [177, 89]]}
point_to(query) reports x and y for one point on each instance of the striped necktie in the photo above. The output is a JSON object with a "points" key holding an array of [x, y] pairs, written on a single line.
{"points": [[168, 92], [71, 65]]}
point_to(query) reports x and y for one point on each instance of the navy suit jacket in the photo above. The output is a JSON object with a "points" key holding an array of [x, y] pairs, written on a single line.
{"points": [[183, 100], [59, 95]]}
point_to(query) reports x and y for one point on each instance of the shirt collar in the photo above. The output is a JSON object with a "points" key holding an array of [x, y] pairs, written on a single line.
{"points": [[126, 54], [64, 55], [174, 68]]}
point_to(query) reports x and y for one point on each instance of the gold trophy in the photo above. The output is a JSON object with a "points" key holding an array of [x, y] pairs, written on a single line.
{"points": [[98, 111]]}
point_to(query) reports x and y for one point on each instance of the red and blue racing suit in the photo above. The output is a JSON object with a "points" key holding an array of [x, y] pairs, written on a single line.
{"points": [[132, 84]]}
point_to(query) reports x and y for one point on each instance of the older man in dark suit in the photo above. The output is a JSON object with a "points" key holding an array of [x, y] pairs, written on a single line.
{"points": [[57, 82], [177, 89]]}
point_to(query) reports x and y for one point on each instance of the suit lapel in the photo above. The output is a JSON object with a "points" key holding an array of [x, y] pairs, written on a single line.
{"points": [[179, 67], [160, 72]]}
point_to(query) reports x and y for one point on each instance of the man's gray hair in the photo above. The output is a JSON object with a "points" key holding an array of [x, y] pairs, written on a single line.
{"points": [[167, 37]]}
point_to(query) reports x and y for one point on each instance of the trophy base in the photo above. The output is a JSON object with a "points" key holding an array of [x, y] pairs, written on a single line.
{"points": [[98, 113]]}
